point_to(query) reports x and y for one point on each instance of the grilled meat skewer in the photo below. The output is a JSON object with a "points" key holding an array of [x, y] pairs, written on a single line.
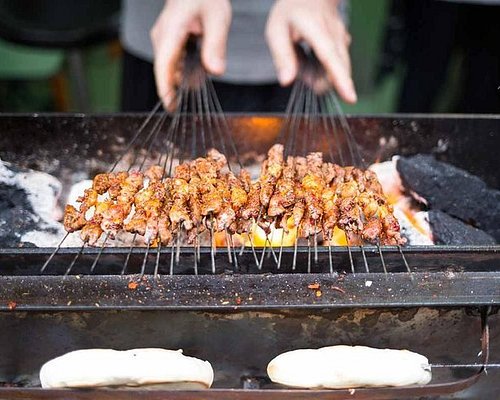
{"points": [[305, 193]]}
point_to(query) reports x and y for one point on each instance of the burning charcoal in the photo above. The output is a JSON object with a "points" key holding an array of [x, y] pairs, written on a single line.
{"points": [[449, 230], [452, 190], [16, 215], [417, 230], [27, 207]]}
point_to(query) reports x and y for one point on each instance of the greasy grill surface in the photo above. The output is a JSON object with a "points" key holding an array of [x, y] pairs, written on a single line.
{"points": [[420, 259], [256, 292], [74, 146], [234, 394], [225, 318]]}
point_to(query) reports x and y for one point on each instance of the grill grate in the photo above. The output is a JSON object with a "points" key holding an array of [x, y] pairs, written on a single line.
{"points": [[308, 112], [424, 259], [185, 138]]}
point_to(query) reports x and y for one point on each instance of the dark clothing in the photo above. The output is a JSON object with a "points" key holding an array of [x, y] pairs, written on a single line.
{"points": [[138, 84], [139, 91], [434, 31], [252, 98]]}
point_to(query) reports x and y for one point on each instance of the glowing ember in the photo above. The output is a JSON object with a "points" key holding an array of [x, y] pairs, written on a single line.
{"points": [[412, 220], [275, 237], [338, 238]]}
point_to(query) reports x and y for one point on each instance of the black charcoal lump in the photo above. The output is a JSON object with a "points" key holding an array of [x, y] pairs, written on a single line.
{"points": [[451, 231], [452, 190], [16, 215]]}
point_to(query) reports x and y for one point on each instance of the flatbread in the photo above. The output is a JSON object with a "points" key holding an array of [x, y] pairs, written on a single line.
{"points": [[340, 367], [137, 367]]}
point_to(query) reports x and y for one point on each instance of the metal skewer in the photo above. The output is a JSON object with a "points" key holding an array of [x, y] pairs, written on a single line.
{"points": [[145, 259], [157, 262], [56, 250], [99, 254], [70, 267], [468, 366]]}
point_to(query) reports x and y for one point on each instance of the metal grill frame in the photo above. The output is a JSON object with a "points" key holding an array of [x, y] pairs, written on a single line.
{"points": [[63, 144], [449, 277]]}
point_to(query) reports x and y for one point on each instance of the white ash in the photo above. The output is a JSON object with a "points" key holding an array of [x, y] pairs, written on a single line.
{"points": [[42, 189], [254, 171], [42, 192], [76, 191], [47, 239], [409, 231]]}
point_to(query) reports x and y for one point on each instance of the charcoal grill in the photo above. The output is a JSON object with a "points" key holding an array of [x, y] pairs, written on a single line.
{"points": [[435, 310]]}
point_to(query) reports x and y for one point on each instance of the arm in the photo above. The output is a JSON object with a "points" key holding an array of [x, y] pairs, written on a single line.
{"points": [[319, 24], [179, 19]]}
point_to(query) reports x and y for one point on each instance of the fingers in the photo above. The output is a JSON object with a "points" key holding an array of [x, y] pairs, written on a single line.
{"points": [[338, 72], [280, 44], [331, 50], [168, 38], [177, 21], [337, 30], [165, 71], [322, 28], [216, 22]]}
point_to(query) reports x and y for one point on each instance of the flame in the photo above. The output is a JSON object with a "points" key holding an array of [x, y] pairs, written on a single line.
{"points": [[393, 197], [410, 215], [258, 237], [338, 238], [265, 123], [220, 239], [275, 237]]}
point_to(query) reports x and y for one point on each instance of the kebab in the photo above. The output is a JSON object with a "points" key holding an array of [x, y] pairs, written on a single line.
{"points": [[302, 192]]}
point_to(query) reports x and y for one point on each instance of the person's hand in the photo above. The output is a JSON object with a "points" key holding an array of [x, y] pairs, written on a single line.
{"points": [[319, 24], [178, 20]]}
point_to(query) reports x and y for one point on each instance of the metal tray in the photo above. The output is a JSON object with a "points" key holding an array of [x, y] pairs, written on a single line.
{"points": [[240, 343]]}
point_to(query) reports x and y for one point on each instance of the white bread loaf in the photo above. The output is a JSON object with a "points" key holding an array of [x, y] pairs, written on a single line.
{"points": [[338, 367], [137, 367]]}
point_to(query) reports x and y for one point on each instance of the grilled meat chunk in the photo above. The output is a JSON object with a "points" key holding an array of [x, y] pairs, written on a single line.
{"points": [[304, 193]]}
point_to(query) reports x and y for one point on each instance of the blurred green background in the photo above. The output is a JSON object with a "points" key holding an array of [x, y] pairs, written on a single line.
{"points": [[38, 80]]}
